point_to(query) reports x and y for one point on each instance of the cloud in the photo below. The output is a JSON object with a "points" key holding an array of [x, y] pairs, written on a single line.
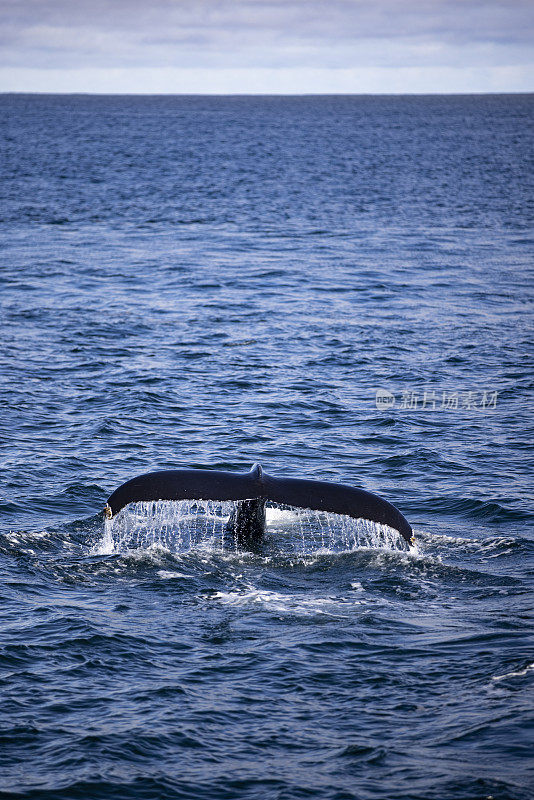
{"points": [[339, 35]]}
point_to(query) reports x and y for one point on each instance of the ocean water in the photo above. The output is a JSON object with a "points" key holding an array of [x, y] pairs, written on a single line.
{"points": [[215, 281]]}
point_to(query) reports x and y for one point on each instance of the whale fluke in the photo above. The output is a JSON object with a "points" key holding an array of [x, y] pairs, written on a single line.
{"points": [[251, 491]]}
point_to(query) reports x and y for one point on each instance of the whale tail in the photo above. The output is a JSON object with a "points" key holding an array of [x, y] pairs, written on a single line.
{"points": [[246, 525], [251, 492]]}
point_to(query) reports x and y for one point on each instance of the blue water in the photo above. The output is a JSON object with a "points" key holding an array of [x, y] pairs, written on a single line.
{"points": [[210, 282]]}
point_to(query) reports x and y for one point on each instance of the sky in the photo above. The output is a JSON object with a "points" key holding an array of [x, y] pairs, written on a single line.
{"points": [[267, 46]]}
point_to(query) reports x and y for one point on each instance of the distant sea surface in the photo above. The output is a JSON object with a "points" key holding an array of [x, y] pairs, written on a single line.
{"points": [[218, 281]]}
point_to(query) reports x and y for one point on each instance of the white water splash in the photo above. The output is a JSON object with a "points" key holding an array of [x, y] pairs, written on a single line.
{"points": [[285, 604], [105, 546], [316, 531], [517, 674], [176, 525], [167, 575], [185, 525]]}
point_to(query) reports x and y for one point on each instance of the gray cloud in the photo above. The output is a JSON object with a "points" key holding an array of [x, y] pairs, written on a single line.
{"points": [[63, 34]]}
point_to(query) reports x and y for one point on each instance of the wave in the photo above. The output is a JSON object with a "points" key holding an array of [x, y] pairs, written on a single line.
{"points": [[282, 603], [519, 673], [472, 508]]}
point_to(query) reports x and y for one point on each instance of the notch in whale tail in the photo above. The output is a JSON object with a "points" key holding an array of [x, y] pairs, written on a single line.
{"points": [[251, 491]]}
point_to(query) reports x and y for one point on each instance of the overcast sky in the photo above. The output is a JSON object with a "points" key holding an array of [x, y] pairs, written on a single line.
{"points": [[267, 46]]}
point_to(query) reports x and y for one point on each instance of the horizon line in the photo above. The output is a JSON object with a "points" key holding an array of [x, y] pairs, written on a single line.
{"points": [[267, 94]]}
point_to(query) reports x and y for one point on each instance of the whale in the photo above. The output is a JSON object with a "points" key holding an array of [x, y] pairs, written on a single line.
{"points": [[250, 492]]}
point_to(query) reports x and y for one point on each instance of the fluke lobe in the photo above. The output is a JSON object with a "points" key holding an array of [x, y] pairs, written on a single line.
{"points": [[250, 492]]}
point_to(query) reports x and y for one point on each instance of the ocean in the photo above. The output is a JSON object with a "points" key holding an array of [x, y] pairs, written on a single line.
{"points": [[338, 288]]}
